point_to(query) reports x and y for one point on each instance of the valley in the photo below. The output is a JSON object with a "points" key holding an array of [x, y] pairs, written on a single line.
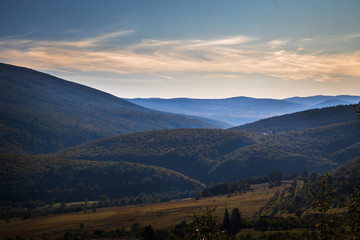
{"points": [[127, 164], [160, 215]]}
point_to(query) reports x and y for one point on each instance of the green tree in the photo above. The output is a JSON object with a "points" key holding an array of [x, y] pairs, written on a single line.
{"points": [[236, 221], [148, 233], [357, 109], [276, 177], [226, 222], [322, 199], [204, 227], [352, 224]]}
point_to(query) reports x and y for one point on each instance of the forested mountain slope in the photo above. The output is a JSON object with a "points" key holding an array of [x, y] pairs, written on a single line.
{"points": [[314, 149], [302, 120], [297, 197], [192, 152], [31, 178], [227, 155], [40, 113]]}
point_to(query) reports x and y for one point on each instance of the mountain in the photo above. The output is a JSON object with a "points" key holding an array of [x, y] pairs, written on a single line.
{"points": [[234, 111], [241, 110], [192, 152], [212, 156], [314, 149], [302, 120], [321, 99], [40, 113], [37, 178]]}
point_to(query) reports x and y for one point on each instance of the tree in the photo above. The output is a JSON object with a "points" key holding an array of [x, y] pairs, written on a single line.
{"points": [[204, 226], [305, 176], [322, 199], [276, 176], [226, 222], [352, 224], [236, 221], [148, 233], [357, 109]]}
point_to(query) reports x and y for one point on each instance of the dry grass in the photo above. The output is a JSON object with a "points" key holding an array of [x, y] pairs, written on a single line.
{"points": [[160, 215]]}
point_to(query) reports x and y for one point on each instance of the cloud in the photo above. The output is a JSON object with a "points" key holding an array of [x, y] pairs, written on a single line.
{"points": [[227, 56], [277, 43], [167, 77]]}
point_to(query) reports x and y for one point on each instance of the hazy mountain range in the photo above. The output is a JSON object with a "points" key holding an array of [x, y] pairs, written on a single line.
{"points": [[240, 110]]}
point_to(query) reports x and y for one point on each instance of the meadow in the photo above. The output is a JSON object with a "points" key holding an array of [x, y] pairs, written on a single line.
{"points": [[160, 215]]}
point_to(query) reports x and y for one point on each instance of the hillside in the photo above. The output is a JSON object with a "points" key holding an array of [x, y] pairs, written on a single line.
{"points": [[227, 155], [40, 113], [343, 179], [35, 178], [302, 120], [314, 149], [192, 152]]}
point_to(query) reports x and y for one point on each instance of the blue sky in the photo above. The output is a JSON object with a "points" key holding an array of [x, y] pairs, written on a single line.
{"points": [[199, 49]]}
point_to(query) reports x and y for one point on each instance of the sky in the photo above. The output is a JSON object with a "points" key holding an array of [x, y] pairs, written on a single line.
{"points": [[189, 48]]}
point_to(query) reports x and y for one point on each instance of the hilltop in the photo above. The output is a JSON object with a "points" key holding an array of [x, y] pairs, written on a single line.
{"points": [[40, 113]]}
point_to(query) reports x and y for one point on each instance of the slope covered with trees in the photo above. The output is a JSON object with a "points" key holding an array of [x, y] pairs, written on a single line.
{"points": [[302, 120], [298, 196], [313, 149], [192, 152], [51, 180], [40, 113], [226, 155]]}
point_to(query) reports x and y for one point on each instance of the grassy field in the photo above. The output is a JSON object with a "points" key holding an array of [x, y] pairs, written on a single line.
{"points": [[159, 215]]}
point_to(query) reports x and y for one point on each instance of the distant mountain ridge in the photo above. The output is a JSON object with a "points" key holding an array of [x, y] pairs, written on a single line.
{"points": [[41, 113], [241, 110], [320, 99]]}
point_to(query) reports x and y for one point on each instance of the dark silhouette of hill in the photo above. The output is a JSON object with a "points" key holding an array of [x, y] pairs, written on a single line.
{"points": [[36, 178], [227, 155], [302, 120], [40, 113]]}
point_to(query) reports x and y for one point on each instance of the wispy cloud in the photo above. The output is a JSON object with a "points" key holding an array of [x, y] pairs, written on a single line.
{"points": [[277, 43], [228, 56]]}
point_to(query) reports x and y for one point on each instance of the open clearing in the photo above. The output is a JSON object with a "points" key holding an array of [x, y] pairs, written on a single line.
{"points": [[159, 215]]}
